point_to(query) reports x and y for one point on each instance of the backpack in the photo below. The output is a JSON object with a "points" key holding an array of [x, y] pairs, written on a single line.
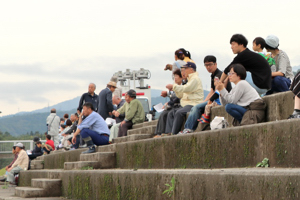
{"points": [[218, 123]]}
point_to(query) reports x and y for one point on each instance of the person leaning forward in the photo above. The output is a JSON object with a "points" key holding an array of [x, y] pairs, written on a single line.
{"points": [[19, 165], [134, 113], [93, 129]]}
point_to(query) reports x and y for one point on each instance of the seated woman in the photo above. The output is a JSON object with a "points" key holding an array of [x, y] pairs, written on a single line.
{"points": [[295, 88], [242, 98], [172, 104]]}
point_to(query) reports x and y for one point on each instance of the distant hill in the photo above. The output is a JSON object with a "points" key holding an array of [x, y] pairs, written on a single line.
{"points": [[26, 122]]}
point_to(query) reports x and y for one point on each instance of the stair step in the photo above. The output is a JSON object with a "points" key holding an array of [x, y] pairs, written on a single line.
{"points": [[132, 138], [27, 192], [52, 186], [37, 164], [83, 164], [143, 130], [107, 159]]}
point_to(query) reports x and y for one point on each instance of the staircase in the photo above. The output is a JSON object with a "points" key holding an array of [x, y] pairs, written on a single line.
{"points": [[217, 164]]}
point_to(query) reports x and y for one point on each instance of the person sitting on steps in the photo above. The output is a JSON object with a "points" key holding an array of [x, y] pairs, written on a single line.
{"points": [[93, 129]]}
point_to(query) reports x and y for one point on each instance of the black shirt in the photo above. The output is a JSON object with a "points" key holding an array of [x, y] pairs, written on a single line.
{"points": [[87, 97], [217, 73], [257, 65]]}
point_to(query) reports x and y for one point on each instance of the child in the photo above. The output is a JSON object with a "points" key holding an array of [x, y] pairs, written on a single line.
{"points": [[258, 45], [49, 145]]}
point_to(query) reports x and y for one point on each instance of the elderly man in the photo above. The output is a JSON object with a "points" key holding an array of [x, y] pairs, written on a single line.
{"points": [[53, 123], [93, 129], [134, 113], [114, 130], [105, 105], [19, 165], [90, 96], [190, 94]]}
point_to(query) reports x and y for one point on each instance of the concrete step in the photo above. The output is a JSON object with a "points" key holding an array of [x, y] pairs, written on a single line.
{"points": [[153, 122], [27, 192], [84, 165], [246, 183], [37, 164], [52, 187], [143, 130], [132, 138], [106, 159], [243, 146]]}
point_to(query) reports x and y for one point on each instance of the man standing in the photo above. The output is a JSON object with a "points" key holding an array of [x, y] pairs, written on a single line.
{"points": [[53, 126], [210, 63], [190, 94], [134, 113], [257, 67], [105, 105], [19, 165], [93, 129], [90, 96]]}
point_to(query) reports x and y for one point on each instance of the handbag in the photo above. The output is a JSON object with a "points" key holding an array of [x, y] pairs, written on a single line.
{"points": [[218, 123]]}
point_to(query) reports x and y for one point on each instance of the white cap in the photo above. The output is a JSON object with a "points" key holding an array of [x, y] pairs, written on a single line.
{"points": [[272, 41], [19, 145]]}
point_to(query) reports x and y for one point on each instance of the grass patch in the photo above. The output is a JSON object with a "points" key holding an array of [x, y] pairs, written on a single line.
{"points": [[2, 171]]}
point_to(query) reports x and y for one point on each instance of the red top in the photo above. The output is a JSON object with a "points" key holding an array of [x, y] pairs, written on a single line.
{"points": [[51, 143]]}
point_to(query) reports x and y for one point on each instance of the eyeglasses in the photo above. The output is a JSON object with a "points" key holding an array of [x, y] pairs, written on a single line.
{"points": [[231, 73], [209, 65]]}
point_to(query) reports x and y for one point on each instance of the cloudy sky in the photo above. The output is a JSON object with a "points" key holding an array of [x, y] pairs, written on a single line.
{"points": [[51, 50]]}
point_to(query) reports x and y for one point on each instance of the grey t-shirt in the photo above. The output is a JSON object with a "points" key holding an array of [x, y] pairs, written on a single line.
{"points": [[242, 94], [283, 65]]}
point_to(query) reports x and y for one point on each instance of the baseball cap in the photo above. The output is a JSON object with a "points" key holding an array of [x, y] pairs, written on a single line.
{"points": [[190, 64], [272, 41], [19, 145], [131, 93]]}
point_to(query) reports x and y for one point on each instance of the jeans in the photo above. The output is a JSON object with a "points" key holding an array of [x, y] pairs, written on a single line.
{"points": [[280, 84], [98, 139], [250, 81], [195, 113], [235, 111]]}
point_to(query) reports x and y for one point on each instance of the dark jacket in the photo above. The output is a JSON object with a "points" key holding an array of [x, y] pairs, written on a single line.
{"points": [[105, 103], [87, 97], [255, 113], [72, 129], [37, 151]]}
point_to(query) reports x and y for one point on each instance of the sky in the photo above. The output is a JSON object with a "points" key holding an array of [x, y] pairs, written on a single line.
{"points": [[51, 50]]}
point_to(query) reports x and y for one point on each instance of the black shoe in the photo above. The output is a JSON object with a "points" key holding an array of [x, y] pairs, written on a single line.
{"points": [[91, 149], [3, 179]]}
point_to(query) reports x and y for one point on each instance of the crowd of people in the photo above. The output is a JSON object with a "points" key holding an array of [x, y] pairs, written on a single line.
{"points": [[240, 88]]}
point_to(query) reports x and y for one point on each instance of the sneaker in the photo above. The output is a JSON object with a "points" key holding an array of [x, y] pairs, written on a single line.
{"points": [[157, 136], [294, 116], [185, 131], [91, 149]]}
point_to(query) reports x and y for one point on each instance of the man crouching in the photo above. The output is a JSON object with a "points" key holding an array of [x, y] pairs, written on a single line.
{"points": [[93, 129]]}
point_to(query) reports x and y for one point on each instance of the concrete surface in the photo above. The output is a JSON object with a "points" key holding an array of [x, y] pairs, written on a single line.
{"points": [[132, 138], [251, 183], [143, 130], [232, 147]]}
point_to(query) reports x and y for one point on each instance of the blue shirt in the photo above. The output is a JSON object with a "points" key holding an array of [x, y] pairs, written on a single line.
{"points": [[95, 123]]}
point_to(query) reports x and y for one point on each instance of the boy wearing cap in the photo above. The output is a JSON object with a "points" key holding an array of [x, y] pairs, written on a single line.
{"points": [[105, 105], [134, 113], [283, 75], [190, 94], [19, 165]]}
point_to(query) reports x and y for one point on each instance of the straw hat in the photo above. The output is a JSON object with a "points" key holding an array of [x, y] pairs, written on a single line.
{"points": [[113, 81]]}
